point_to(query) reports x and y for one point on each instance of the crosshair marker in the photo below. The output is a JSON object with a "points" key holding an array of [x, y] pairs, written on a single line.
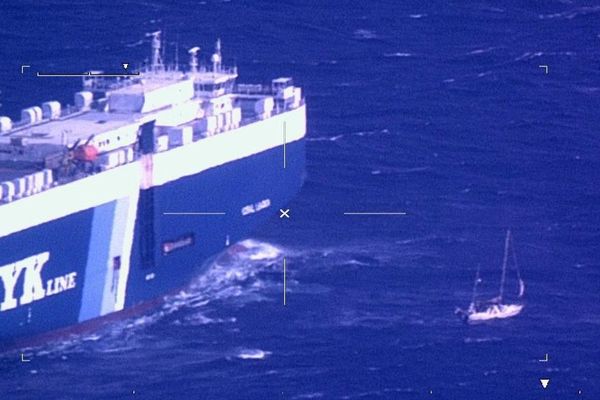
{"points": [[284, 213]]}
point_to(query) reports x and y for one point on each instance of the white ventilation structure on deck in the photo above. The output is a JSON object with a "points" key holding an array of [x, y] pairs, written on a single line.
{"points": [[51, 110], [83, 100], [5, 124]]}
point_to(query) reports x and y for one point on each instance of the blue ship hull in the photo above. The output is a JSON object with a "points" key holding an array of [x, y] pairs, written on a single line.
{"points": [[73, 279]]}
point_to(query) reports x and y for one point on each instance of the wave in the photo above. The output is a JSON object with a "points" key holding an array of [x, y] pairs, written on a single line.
{"points": [[135, 44], [343, 135], [482, 51], [312, 395], [587, 90], [253, 354], [233, 277], [365, 34], [397, 54], [492, 339], [570, 14], [325, 138], [234, 274], [399, 171], [529, 55]]}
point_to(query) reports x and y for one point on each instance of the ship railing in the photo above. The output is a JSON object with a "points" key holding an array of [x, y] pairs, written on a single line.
{"points": [[65, 112], [69, 110], [26, 185], [281, 106], [221, 70], [104, 85], [278, 109], [37, 182], [248, 88]]}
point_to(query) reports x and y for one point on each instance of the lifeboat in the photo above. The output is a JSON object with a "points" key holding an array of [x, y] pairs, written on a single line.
{"points": [[86, 152]]}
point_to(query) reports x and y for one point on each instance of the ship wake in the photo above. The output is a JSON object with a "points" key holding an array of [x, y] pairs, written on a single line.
{"points": [[242, 274]]}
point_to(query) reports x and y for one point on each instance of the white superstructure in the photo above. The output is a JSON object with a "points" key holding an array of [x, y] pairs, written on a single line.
{"points": [[169, 121]]}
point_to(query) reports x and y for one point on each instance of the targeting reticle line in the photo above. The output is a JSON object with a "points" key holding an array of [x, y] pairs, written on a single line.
{"points": [[376, 213], [89, 74], [193, 213], [59, 75], [284, 281], [284, 143]]}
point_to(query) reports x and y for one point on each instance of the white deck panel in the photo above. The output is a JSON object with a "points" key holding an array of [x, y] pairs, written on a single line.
{"points": [[74, 127]]}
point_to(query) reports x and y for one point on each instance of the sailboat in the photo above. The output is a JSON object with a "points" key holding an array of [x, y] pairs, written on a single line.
{"points": [[495, 308]]}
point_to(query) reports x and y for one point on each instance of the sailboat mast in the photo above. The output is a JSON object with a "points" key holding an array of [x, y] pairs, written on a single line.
{"points": [[521, 282], [504, 262], [477, 280]]}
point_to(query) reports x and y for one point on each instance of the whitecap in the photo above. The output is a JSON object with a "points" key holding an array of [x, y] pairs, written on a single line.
{"points": [[364, 34], [570, 14], [253, 354], [529, 55], [492, 339], [397, 54], [258, 251], [481, 51], [315, 395], [356, 262], [135, 44]]}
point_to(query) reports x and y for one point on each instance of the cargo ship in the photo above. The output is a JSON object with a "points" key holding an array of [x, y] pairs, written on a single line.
{"points": [[111, 203]]}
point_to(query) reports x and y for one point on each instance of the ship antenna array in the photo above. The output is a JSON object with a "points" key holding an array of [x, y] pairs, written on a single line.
{"points": [[156, 63], [177, 55], [216, 57], [194, 59]]}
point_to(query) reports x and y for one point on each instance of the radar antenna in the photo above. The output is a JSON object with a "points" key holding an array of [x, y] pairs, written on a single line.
{"points": [[156, 63], [194, 59]]}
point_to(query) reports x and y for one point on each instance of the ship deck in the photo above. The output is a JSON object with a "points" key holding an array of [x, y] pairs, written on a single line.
{"points": [[71, 128]]}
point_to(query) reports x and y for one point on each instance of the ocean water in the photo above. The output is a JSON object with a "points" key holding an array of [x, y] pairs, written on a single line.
{"points": [[437, 109]]}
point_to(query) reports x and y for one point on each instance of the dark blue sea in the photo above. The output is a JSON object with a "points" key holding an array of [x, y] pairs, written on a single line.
{"points": [[436, 109]]}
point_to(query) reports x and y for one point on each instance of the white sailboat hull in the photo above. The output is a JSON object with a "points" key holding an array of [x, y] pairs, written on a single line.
{"points": [[497, 311]]}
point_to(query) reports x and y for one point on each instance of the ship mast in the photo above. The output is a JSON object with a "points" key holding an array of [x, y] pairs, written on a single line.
{"points": [[194, 59], [504, 262], [475, 284], [217, 58], [156, 63], [521, 281]]}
